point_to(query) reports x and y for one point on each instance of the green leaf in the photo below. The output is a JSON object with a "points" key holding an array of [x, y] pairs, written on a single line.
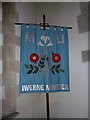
{"points": [[61, 70], [52, 53], [53, 72], [41, 62], [36, 67], [58, 66], [42, 58], [53, 66], [57, 71], [27, 66], [42, 66], [29, 72], [35, 71], [31, 66]]}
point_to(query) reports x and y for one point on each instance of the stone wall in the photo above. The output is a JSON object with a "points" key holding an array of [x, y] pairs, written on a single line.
{"points": [[10, 16]]}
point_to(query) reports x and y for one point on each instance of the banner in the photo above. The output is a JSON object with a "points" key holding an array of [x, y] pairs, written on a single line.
{"points": [[44, 59]]}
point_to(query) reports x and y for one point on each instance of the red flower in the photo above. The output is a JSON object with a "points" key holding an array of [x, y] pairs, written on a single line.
{"points": [[56, 58], [34, 57]]}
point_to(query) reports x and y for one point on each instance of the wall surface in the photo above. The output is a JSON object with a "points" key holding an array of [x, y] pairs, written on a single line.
{"points": [[45, 0], [62, 105], [9, 67], [1, 43], [89, 65], [89, 76]]}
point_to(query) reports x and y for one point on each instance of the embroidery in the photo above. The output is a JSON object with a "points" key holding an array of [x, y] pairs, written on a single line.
{"points": [[45, 40], [56, 58], [39, 64], [57, 86], [26, 36], [34, 57], [29, 37], [60, 41]]}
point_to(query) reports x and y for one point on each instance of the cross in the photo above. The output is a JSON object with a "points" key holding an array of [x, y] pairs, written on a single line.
{"points": [[44, 24]]}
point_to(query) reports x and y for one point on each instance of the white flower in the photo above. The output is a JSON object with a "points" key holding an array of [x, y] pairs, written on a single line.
{"points": [[45, 38], [50, 43], [40, 43]]}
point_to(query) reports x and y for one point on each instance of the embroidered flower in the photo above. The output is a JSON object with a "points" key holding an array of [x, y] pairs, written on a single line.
{"points": [[34, 57], [45, 40], [56, 58]]}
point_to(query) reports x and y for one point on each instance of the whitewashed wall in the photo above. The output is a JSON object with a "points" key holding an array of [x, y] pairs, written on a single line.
{"points": [[89, 65], [62, 105], [1, 43]]}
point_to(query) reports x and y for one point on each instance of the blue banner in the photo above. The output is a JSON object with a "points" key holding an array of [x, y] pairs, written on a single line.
{"points": [[44, 59]]}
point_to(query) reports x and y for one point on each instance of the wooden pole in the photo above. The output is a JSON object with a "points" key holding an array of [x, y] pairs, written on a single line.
{"points": [[47, 94], [47, 105]]}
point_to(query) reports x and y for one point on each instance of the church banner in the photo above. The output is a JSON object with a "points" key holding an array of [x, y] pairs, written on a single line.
{"points": [[44, 59]]}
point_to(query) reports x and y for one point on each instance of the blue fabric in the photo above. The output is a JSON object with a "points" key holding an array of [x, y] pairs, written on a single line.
{"points": [[44, 59]]}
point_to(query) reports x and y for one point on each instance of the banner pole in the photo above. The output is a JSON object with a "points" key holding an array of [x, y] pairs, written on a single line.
{"points": [[47, 105], [47, 94]]}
